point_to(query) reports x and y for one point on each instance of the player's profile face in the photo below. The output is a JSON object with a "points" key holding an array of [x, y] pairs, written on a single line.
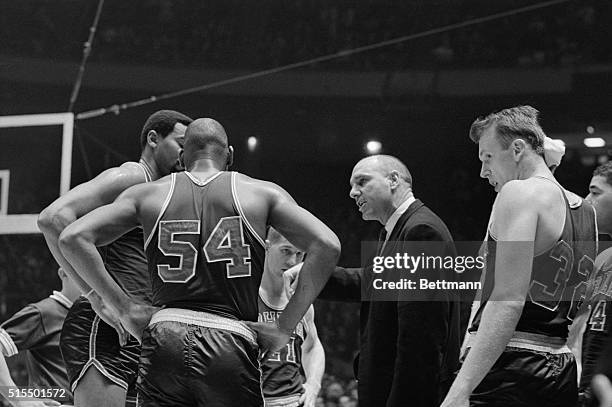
{"points": [[600, 195], [371, 190], [282, 255], [168, 149], [497, 163]]}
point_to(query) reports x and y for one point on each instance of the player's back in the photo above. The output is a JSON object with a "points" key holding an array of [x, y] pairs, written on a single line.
{"points": [[203, 253]]}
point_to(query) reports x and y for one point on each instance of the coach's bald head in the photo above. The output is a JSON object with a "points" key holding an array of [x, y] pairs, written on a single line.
{"points": [[206, 139], [386, 165], [379, 185]]}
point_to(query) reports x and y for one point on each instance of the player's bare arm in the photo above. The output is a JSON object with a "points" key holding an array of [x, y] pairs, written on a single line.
{"points": [[313, 361], [307, 233], [80, 200], [101, 226], [515, 223]]}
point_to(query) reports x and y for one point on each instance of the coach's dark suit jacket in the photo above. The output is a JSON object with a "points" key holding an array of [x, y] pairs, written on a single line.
{"points": [[408, 350]]}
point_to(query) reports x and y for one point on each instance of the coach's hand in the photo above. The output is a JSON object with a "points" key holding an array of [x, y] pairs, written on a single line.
{"points": [[269, 337], [290, 279], [137, 318], [108, 315]]}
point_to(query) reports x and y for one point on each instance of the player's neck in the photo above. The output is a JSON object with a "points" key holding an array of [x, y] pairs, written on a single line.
{"points": [[534, 168], [147, 161], [274, 288], [203, 167]]}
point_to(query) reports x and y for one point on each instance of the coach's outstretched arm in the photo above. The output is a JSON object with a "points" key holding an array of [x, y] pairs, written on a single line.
{"points": [[312, 236], [79, 241]]}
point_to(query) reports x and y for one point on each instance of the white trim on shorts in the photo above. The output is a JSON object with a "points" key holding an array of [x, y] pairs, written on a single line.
{"points": [[534, 342], [204, 319], [94, 362], [291, 400], [7, 344], [241, 212], [163, 209]]}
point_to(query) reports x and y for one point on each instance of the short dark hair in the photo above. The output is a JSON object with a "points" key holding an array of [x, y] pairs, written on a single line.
{"points": [[604, 170], [511, 124], [163, 122]]}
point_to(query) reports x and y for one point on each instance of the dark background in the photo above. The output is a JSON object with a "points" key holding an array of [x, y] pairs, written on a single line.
{"points": [[417, 98]]}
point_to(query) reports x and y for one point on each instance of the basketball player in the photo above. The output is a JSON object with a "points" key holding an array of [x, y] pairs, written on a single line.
{"points": [[598, 328], [204, 233], [292, 376], [101, 364], [36, 329], [517, 352]]}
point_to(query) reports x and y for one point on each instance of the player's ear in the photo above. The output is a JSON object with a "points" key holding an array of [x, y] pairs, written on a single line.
{"points": [[230, 157], [518, 146], [267, 244], [152, 138], [181, 158]]}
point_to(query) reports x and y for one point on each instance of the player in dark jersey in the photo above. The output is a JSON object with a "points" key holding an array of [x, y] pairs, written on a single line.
{"points": [[100, 358], [598, 328], [292, 376], [205, 249], [35, 329], [539, 254]]}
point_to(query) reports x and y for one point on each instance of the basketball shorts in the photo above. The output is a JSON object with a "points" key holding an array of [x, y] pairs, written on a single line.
{"points": [[191, 358], [87, 341], [526, 377]]}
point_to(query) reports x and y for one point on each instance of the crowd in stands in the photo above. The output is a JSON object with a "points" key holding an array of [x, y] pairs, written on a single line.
{"points": [[233, 34]]}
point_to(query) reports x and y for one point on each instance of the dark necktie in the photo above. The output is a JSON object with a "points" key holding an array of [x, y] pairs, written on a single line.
{"points": [[381, 240]]}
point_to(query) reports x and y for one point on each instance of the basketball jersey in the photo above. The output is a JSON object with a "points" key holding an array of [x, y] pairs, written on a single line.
{"points": [[35, 330], [203, 254], [598, 328], [282, 373], [558, 279], [126, 261]]}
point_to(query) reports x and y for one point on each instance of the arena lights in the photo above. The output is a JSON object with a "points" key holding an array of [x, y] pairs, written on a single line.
{"points": [[373, 147], [252, 143], [590, 130], [594, 142]]}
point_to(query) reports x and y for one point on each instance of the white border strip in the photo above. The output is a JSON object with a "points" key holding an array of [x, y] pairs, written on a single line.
{"points": [[10, 349], [19, 224], [28, 120], [241, 212], [163, 209], [5, 176]]}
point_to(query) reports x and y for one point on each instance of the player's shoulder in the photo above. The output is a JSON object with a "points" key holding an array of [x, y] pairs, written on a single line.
{"points": [[122, 176], [144, 188], [532, 192], [245, 182]]}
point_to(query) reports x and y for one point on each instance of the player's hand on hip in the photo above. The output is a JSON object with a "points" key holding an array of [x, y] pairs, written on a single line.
{"points": [[290, 279], [108, 315], [137, 318], [269, 337], [309, 397]]}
